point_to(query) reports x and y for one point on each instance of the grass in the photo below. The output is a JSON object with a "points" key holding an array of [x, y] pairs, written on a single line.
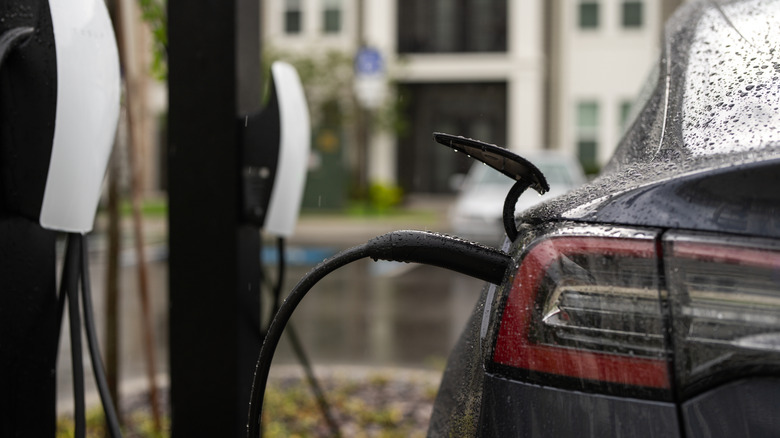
{"points": [[136, 425], [155, 207], [151, 207], [375, 406]]}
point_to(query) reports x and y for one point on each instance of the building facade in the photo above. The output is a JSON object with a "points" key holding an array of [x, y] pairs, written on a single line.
{"points": [[525, 74]]}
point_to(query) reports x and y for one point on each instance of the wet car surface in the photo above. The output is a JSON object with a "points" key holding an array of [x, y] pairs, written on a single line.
{"points": [[647, 302]]}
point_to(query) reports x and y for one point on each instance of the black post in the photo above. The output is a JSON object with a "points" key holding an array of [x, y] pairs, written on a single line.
{"points": [[28, 329], [28, 296], [214, 75]]}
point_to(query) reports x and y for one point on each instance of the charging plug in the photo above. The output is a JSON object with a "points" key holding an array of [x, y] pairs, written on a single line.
{"points": [[455, 254]]}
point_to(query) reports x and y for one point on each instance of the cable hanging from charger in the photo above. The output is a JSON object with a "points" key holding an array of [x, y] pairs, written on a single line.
{"points": [[295, 342], [75, 268], [472, 259]]}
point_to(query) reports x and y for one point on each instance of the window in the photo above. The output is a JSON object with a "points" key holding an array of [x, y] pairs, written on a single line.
{"points": [[292, 16], [589, 15], [587, 135], [331, 16], [632, 14], [452, 26], [472, 109]]}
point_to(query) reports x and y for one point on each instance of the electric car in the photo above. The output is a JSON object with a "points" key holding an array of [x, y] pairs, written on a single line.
{"points": [[647, 302]]}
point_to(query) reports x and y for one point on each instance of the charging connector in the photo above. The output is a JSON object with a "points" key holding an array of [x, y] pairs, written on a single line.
{"points": [[423, 247], [455, 254]]}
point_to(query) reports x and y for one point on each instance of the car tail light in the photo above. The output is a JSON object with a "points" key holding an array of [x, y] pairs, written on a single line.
{"points": [[586, 313], [725, 297]]}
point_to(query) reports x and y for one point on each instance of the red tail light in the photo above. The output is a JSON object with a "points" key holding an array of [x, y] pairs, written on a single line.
{"points": [[586, 313], [725, 296]]}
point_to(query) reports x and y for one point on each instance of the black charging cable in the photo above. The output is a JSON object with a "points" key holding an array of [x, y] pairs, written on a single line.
{"points": [[12, 38], [510, 202], [281, 264], [75, 267], [295, 341], [472, 259], [69, 284], [98, 368]]}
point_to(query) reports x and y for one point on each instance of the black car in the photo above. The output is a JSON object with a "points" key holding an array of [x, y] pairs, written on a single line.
{"points": [[647, 303]]}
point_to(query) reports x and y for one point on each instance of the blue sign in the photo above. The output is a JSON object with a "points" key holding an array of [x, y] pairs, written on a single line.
{"points": [[368, 62]]}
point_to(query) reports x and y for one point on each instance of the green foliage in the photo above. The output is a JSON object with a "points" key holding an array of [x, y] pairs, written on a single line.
{"points": [[377, 405], [591, 170], [372, 407], [464, 426], [152, 207], [153, 12], [384, 197], [142, 425], [95, 425], [138, 424], [328, 79]]}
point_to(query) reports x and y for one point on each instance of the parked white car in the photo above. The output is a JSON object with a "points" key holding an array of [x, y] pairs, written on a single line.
{"points": [[476, 214]]}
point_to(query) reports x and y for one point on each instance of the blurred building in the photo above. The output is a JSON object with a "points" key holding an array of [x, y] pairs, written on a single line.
{"points": [[527, 74]]}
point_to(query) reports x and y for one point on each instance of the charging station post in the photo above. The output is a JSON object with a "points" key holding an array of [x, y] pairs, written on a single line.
{"points": [[28, 321], [214, 270], [59, 80], [28, 295]]}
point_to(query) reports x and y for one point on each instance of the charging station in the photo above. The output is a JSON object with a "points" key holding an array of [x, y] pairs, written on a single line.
{"points": [[228, 163], [276, 142], [59, 105]]}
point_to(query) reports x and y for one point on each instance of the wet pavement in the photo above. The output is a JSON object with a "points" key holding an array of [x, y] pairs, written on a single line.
{"points": [[383, 313], [380, 314]]}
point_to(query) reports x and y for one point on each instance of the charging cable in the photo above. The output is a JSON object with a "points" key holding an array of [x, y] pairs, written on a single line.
{"points": [[75, 266], [295, 342], [472, 259], [520, 170], [12, 38]]}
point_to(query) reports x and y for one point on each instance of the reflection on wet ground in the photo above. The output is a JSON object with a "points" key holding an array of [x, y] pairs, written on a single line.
{"points": [[368, 313], [383, 313]]}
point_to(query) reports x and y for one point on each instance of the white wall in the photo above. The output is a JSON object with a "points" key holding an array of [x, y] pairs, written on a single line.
{"points": [[521, 67], [607, 65], [525, 103]]}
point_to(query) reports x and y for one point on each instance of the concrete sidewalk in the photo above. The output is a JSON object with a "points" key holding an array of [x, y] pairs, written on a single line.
{"points": [[421, 212]]}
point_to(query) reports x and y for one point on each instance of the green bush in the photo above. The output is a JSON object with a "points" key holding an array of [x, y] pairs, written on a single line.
{"points": [[384, 197]]}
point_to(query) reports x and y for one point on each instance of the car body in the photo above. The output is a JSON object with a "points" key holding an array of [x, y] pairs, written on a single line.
{"points": [[477, 212], [647, 302]]}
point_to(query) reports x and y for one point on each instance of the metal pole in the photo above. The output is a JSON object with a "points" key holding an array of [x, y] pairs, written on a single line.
{"points": [[214, 75]]}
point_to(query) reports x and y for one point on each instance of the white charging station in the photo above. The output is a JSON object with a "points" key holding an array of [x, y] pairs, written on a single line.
{"points": [[88, 93], [276, 142], [294, 149]]}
